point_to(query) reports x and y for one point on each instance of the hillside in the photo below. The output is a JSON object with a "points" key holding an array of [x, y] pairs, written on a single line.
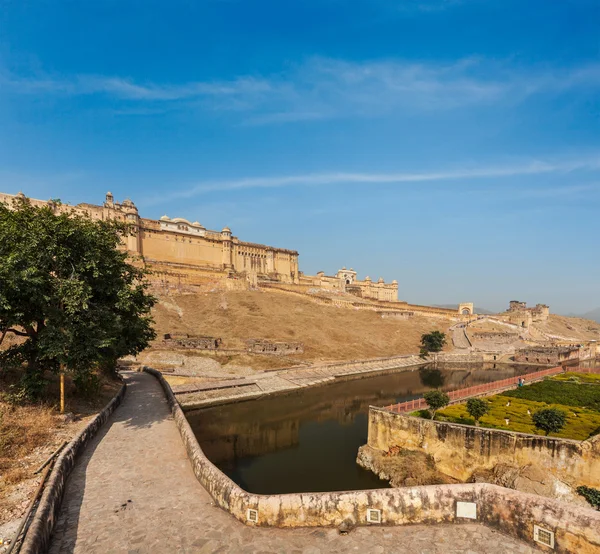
{"points": [[328, 333], [569, 328]]}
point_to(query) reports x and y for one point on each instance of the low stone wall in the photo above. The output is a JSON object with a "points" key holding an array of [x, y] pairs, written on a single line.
{"points": [[192, 342], [457, 358], [505, 338], [459, 450], [396, 315], [281, 348], [37, 539], [576, 529]]}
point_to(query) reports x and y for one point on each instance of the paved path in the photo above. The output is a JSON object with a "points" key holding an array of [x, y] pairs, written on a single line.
{"points": [[133, 491], [459, 337]]}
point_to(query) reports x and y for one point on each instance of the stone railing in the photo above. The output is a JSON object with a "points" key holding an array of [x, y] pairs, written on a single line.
{"points": [[572, 529]]}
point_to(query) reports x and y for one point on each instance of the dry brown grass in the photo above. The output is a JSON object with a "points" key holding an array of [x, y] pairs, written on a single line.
{"points": [[22, 430], [328, 333], [30, 433], [571, 327]]}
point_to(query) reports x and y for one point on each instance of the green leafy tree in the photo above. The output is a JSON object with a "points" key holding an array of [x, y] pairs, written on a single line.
{"points": [[477, 408], [432, 342], [549, 420], [70, 293], [436, 400]]}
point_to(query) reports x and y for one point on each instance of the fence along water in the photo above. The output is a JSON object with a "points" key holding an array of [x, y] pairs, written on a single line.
{"points": [[478, 390]]}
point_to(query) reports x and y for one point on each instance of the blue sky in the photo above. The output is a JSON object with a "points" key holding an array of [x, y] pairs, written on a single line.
{"points": [[451, 145]]}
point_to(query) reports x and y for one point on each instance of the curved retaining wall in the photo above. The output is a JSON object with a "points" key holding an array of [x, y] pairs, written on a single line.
{"points": [[459, 449], [512, 512], [38, 535]]}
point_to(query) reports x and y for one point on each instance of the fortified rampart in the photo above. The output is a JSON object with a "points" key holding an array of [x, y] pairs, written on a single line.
{"points": [[572, 529], [178, 243], [519, 314], [184, 253], [460, 450], [345, 281], [304, 290]]}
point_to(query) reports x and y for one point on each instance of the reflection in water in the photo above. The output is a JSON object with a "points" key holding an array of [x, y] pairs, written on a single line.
{"points": [[307, 441]]}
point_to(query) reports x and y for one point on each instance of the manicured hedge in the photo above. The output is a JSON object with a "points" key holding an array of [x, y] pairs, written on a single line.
{"points": [[559, 392]]}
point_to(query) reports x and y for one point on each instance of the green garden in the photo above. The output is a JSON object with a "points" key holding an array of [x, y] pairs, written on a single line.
{"points": [[577, 395]]}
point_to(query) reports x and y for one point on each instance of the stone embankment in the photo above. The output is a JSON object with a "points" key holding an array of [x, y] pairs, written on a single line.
{"points": [[555, 466], [200, 395]]}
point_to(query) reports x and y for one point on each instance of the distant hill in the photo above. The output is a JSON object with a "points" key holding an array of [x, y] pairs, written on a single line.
{"points": [[481, 311], [594, 314]]}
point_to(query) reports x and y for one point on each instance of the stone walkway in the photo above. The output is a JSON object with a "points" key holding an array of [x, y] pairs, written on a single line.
{"points": [[133, 491]]}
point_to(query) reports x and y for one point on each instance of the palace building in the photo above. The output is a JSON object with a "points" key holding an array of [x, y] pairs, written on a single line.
{"points": [[185, 252], [175, 245]]}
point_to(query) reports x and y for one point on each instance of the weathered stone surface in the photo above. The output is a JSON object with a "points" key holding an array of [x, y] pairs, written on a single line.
{"points": [[402, 468], [461, 450]]}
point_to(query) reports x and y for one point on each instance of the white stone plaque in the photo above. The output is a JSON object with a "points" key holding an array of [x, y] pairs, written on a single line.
{"points": [[466, 509]]}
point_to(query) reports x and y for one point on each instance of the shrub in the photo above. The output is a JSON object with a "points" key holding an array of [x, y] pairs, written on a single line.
{"points": [[477, 408], [436, 399], [432, 342], [550, 420], [591, 495]]}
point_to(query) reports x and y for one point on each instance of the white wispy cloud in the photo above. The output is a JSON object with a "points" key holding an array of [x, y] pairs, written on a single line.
{"points": [[535, 167], [326, 88]]}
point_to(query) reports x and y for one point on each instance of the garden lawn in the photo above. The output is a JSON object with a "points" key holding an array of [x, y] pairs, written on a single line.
{"points": [[591, 378], [560, 392], [577, 401]]}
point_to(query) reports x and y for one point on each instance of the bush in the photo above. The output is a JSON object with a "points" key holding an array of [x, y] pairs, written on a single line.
{"points": [[432, 342], [477, 408], [436, 399], [550, 420], [591, 495]]}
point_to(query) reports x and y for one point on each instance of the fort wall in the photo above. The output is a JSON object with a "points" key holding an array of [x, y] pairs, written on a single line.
{"points": [[177, 241], [460, 450]]}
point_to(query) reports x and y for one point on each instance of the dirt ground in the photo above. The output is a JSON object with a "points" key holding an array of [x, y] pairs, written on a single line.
{"points": [[327, 332], [570, 328]]}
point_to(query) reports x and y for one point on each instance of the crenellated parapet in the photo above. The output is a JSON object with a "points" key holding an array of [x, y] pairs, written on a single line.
{"points": [[345, 280]]}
